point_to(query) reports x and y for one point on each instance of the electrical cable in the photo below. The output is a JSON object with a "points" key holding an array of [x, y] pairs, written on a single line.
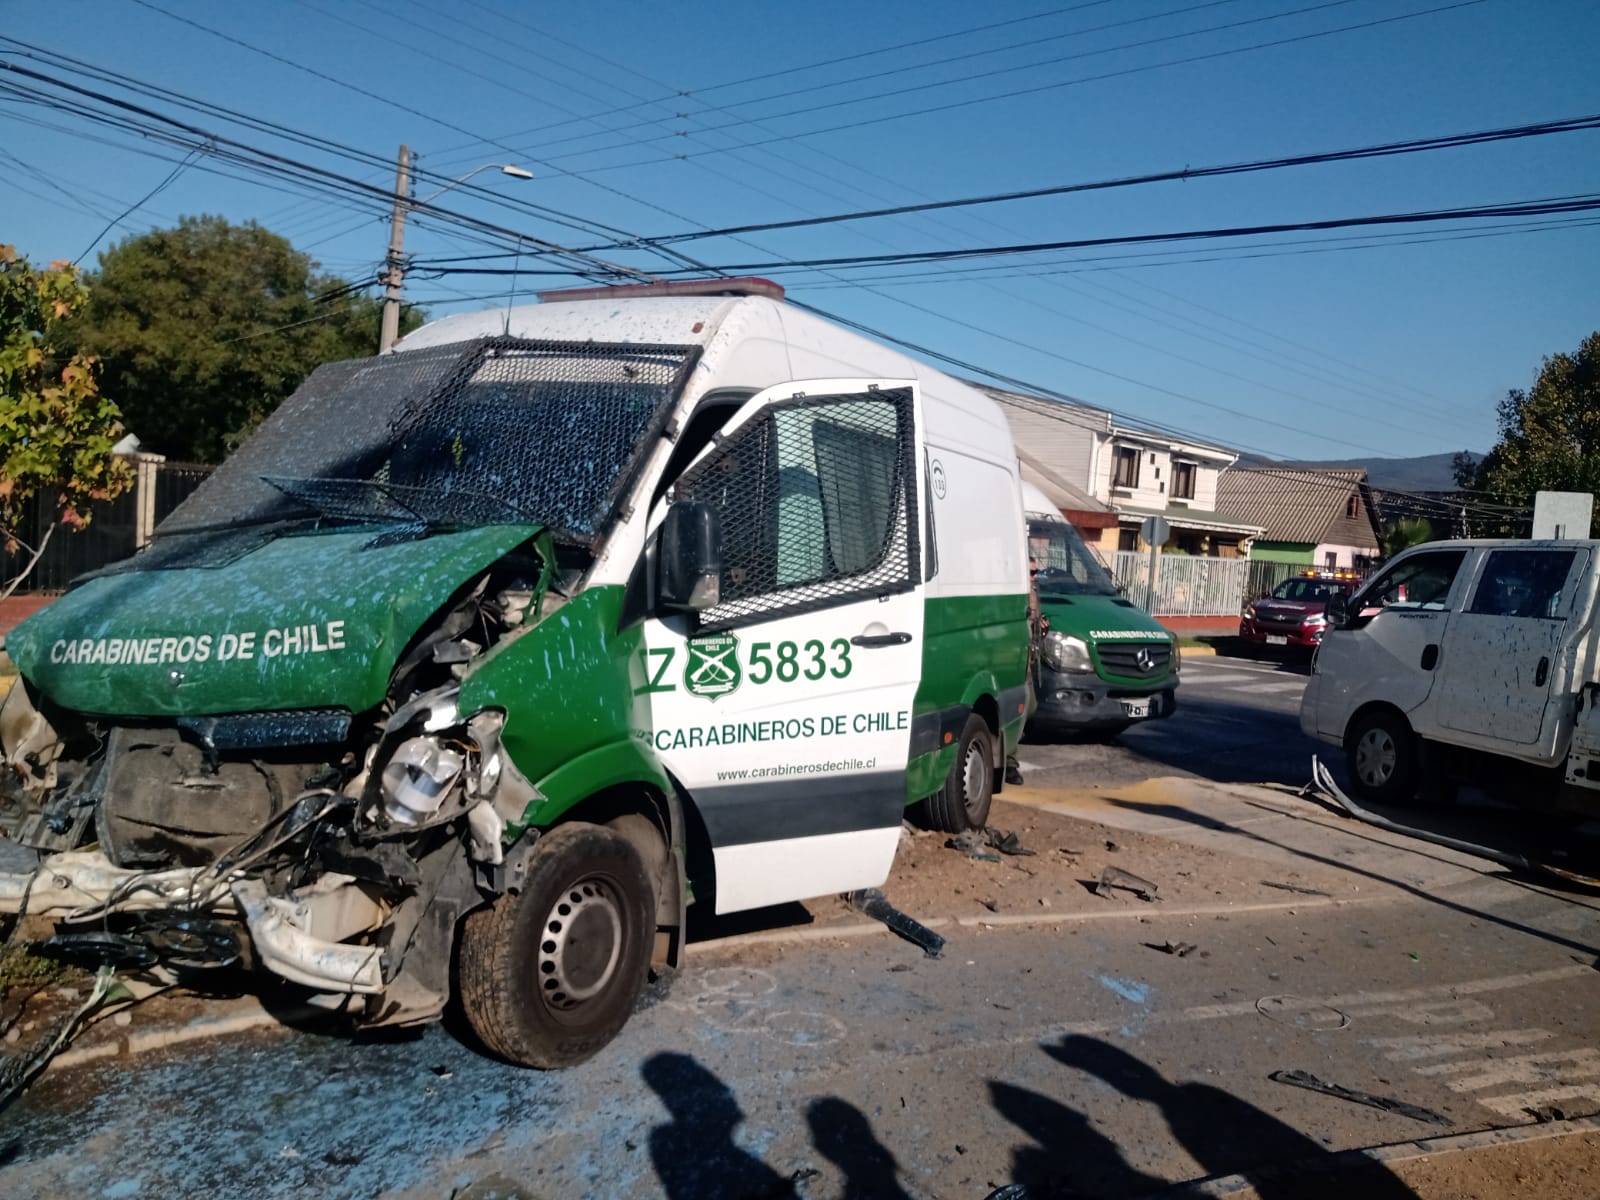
{"points": [[1380, 150], [137, 204], [1015, 93]]}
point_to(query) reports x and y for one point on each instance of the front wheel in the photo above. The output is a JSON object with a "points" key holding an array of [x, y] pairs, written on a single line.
{"points": [[549, 974], [1381, 754], [963, 802]]}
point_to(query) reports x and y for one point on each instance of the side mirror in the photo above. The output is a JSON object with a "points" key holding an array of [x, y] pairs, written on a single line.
{"points": [[1338, 612], [689, 557]]}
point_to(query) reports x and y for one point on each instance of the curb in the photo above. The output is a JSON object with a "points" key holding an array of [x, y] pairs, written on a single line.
{"points": [[867, 928], [200, 1029], [1396, 1152]]}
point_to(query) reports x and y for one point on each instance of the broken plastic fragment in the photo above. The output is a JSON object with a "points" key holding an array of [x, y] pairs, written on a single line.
{"points": [[1116, 877], [872, 902], [1304, 1079]]}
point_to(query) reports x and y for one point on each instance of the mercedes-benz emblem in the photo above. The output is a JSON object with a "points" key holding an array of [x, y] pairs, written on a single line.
{"points": [[1142, 657]]}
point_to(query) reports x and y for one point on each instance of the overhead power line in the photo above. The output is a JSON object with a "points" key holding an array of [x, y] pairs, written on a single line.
{"points": [[1036, 89], [1381, 150], [197, 139], [1585, 202], [679, 93]]}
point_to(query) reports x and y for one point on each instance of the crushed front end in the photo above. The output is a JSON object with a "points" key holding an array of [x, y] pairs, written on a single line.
{"points": [[336, 851]]}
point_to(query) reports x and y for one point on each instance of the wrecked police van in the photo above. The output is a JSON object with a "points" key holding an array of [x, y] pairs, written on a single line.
{"points": [[483, 659]]}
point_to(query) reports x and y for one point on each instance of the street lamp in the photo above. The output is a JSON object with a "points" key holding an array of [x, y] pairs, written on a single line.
{"points": [[394, 264], [504, 168]]}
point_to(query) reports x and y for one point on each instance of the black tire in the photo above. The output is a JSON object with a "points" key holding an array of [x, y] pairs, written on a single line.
{"points": [[963, 802], [1381, 756], [549, 974]]}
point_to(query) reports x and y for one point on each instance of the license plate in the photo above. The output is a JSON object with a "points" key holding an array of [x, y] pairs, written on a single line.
{"points": [[1137, 708], [1274, 640]]}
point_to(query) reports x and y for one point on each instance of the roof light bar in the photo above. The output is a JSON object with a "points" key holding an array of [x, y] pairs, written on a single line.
{"points": [[748, 285]]}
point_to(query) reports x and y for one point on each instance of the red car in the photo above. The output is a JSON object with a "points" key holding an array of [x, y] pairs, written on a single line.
{"points": [[1293, 614]]}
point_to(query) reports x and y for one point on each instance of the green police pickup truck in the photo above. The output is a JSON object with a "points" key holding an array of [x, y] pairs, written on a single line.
{"points": [[1104, 662]]}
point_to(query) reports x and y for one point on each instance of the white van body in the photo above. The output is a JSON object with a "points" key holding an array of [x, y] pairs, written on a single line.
{"points": [[1485, 646], [825, 816]]}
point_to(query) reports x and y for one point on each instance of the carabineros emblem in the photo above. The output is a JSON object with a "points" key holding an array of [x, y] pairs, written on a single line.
{"points": [[713, 667]]}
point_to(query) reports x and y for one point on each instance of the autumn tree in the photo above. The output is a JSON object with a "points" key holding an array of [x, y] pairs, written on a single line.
{"points": [[1549, 434], [56, 427], [205, 328]]}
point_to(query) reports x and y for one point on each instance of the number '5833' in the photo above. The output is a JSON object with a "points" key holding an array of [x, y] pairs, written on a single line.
{"points": [[788, 661]]}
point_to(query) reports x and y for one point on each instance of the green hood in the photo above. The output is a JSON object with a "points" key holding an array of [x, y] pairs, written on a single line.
{"points": [[305, 621], [1096, 618]]}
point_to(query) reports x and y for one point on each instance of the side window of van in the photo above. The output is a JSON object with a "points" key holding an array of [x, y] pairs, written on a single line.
{"points": [[817, 505], [1419, 582], [1522, 583]]}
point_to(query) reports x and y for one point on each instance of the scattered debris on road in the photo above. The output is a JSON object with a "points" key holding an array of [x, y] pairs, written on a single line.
{"points": [[974, 842], [1323, 779], [1304, 1079], [1179, 949], [1293, 887], [873, 903], [1115, 877]]}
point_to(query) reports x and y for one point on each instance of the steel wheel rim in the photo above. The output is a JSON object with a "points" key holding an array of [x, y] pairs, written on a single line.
{"points": [[580, 944], [1375, 757], [973, 770]]}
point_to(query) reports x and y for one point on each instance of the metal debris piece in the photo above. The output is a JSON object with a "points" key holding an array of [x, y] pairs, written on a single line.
{"points": [[1304, 1079], [1181, 949], [15, 1072], [1006, 843], [873, 903], [1116, 877], [1517, 862], [1547, 1113], [1290, 887], [971, 843]]}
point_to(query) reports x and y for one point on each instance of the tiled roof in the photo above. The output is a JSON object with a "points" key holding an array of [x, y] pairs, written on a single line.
{"points": [[1294, 504]]}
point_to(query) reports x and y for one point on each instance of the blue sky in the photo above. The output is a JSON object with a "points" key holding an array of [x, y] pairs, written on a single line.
{"points": [[1397, 345]]}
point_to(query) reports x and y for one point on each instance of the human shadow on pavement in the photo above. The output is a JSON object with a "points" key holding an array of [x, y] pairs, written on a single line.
{"points": [[694, 1153], [843, 1135], [1069, 1158], [1223, 1133], [696, 1158]]}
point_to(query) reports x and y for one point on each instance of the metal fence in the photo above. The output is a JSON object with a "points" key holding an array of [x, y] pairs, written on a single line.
{"points": [[1186, 585], [1264, 576], [116, 530]]}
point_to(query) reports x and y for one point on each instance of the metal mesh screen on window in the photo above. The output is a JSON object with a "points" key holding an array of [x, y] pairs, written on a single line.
{"points": [[817, 505], [479, 432]]}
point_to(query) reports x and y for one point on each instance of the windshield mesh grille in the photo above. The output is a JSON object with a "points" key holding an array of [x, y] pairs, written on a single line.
{"points": [[473, 433]]}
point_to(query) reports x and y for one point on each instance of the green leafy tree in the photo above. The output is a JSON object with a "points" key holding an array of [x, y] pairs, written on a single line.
{"points": [[1406, 532], [205, 328], [1549, 435], [56, 428]]}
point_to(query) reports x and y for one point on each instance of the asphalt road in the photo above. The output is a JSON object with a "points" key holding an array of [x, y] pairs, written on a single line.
{"points": [[1073, 1057], [1238, 721]]}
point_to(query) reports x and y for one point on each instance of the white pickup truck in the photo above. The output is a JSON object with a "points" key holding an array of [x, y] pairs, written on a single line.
{"points": [[1467, 659]]}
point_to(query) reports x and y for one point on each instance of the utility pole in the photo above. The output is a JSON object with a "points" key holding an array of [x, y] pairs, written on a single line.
{"points": [[394, 273]]}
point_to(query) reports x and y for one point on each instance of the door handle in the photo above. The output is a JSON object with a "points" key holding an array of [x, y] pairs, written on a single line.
{"points": [[1430, 656], [1543, 672], [873, 641]]}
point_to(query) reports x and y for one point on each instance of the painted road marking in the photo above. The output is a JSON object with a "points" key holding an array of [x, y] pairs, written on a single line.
{"points": [[1525, 1103], [1437, 1045], [1546, 1066]]}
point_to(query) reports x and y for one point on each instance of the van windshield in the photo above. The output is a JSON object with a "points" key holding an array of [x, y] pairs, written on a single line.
{"points": [[472, 433], [1066, 567]]}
